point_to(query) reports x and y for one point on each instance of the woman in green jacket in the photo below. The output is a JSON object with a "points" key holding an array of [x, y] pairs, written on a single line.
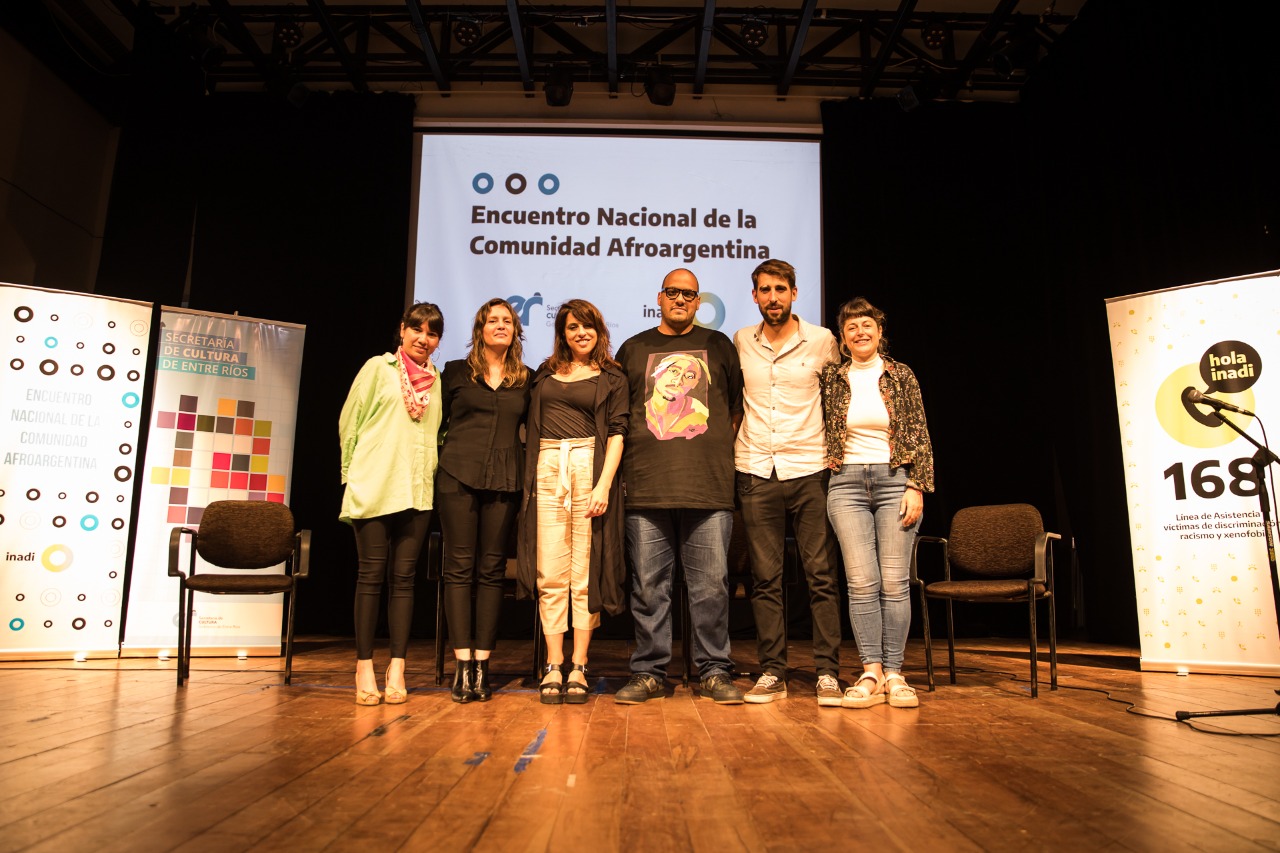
{"points": [[389, 430]]}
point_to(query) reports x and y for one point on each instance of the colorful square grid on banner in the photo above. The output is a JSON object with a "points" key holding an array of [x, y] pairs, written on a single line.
{"points": [[222, 453]]}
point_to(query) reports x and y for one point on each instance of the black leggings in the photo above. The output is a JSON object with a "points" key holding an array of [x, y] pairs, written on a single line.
{"points": [[388, 547], [476, 525]]}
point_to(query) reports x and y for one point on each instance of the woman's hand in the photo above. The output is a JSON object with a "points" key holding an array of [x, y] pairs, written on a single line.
{"points": [[599, 501], [911, 507]]}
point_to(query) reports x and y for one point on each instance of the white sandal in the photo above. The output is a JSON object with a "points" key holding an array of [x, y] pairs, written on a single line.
{"points": [[860, 696], [901, 695]]}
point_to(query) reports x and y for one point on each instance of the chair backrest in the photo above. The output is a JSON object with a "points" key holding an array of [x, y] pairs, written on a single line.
{"points": [[996, 541], [246, 534]]}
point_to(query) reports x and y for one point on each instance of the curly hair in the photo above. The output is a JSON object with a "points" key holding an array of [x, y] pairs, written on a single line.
{"points": [[589, 316]]}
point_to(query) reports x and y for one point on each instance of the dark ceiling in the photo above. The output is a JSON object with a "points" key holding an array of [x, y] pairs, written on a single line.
{"points": [[943, 50]]}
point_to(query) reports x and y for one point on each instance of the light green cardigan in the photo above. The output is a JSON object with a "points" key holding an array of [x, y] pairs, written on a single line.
{"points": [[388, 458]]}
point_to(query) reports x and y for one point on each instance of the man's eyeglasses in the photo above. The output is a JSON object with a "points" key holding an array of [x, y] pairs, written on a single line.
{"points": [[673, 292]]}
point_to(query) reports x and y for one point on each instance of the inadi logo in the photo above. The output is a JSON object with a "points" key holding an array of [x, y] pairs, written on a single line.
{"points": [[1227, 371], [1232, 366], [523, 305]]}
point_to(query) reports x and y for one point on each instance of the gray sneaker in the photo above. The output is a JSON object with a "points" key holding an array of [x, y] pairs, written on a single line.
{"points": [[829, 694], [721, 689], [641, 688], [768, 688]]}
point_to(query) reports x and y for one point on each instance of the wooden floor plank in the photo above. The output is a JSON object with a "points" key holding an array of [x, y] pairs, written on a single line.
{"points": [[103, 755]]}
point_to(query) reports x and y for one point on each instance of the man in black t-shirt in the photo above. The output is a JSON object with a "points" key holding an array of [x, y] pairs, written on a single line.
{"points": [[678, 479]]}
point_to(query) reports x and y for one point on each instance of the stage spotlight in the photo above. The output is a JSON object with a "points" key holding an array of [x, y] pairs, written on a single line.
{"points": [[935, 36], [285, 82], [659, 86], [916, 93], [467, 32], [559, 86], [206, 45], [755, 32], [1020, 52], [287, 34]]}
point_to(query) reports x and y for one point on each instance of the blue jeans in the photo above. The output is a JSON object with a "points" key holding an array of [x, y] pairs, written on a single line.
{"points": [[702, 539], [862, 503]]}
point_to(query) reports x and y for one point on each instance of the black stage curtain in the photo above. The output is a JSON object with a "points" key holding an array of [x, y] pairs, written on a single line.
{"points": [[1140, 157], [300, 216]]}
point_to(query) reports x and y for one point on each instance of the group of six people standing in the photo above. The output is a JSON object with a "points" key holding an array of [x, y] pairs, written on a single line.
{"points": [[642, 458]]}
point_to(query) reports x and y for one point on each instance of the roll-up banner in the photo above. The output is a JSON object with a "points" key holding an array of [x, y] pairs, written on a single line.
{"points": [[70, 418], [1201, 567], [224, 410]]}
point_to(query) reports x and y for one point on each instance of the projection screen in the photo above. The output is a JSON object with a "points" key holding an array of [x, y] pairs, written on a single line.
{"points": [[540, 218]]}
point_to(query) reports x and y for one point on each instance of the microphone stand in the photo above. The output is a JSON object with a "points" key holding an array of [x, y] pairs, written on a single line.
{"points": [[1262, 459]]}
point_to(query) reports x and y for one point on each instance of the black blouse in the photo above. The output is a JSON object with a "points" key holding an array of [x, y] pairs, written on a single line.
{"points": [[481, 427]]}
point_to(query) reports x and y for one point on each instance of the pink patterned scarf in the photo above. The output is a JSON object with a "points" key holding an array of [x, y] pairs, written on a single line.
{"points": [[415, 384]]}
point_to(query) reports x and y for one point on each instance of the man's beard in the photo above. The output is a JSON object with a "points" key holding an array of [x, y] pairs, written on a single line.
{"points": [[782, 320]]}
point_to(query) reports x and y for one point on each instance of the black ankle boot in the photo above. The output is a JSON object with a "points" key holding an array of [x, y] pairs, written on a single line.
{"points": [[480, 682], [463, 682]]}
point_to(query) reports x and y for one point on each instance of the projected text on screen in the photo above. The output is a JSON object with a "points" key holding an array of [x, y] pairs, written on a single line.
{"points": [[539, 220]]}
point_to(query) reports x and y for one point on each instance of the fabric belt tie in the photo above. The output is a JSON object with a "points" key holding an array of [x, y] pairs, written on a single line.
{"points": [[566, 447]]}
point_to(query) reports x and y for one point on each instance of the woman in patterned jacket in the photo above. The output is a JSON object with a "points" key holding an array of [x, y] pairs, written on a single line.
{"points": [[882, 462]]}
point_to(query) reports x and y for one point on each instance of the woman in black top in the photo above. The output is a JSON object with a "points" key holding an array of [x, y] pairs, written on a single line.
{"points": [[571, 527], [485, 397]]}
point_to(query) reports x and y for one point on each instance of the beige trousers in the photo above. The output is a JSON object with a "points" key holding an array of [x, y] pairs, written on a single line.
{"points": [[564, 482]]}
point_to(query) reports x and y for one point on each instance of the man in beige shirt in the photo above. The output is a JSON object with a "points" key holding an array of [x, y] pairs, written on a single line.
{"points": [[779, 457]]}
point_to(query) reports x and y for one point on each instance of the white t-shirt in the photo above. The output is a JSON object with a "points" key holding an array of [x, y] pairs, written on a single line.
{"points": [[867, 442]]}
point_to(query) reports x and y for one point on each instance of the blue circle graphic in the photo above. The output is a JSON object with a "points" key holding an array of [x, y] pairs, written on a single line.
{"points": [[51, 342], [89, 522], [542, 184], [131, 400], [717, 304], [482, 183], [16, 624]]}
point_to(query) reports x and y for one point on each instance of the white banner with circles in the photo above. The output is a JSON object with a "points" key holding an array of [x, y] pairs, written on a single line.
{"points": [[1192, 387], [70, 417]]}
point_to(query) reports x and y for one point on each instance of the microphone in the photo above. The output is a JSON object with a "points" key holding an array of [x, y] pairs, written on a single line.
{"points": [[1198, 397]]}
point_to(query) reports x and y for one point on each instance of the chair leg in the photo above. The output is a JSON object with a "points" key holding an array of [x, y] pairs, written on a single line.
{"points": [[1053, 643], [288, 642], [786, 606], [686, 634], [1035, 651], [539, 644], [185, 660], [928, 642], [951, 641], [182, 627], [439, 630]]}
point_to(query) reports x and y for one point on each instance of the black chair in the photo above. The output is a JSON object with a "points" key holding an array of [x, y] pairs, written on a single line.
{"points": [[992, 555], [435, 571], [248, 537]]}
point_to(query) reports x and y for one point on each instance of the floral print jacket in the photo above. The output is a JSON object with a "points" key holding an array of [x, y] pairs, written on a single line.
{"points": [[909, 443]]}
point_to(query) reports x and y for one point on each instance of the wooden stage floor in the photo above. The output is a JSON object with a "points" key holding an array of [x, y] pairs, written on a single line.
{"points": [[113, 756]]}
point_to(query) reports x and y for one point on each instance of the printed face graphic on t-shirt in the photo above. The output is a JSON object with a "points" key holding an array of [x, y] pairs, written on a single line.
{"points": [[677, 386]]}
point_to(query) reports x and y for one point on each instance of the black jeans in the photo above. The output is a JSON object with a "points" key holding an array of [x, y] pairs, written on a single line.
{"points": [[476, 525], [387, 547], [766, 505]]}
